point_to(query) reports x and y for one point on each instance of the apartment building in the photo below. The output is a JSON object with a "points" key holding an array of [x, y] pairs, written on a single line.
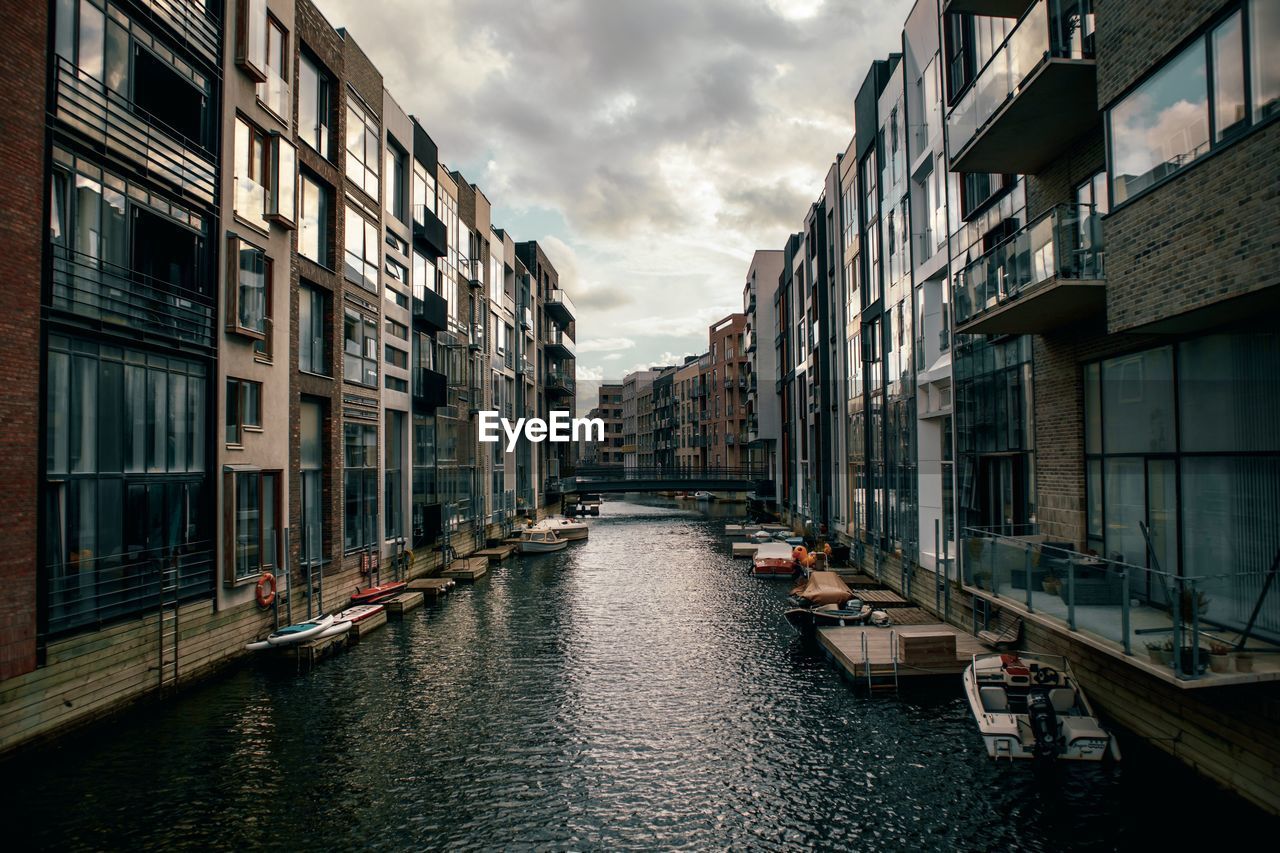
{"points": [[764, 425], [635, 385], [664, 419], [609, 409], [689, 395], [728, 383], [267, 317], [555, 329]]}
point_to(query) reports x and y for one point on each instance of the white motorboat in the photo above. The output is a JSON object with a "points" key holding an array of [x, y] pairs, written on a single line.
{"points": [[773, 560], [536, 541], [1029, 705], [703, 496], [565, 528]]}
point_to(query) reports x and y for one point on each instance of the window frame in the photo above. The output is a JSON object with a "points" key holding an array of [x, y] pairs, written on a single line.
{"points": [[324, 219], [231, 526], [243, 388], [252, 62], [236, 247], [365, 323], [309, 290]]}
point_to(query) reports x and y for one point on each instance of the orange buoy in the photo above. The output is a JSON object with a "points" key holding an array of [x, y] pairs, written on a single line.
{"points": [[265, 589]]}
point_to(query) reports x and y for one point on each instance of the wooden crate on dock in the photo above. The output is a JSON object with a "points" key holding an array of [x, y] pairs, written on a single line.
{"points": [[927, 647]]}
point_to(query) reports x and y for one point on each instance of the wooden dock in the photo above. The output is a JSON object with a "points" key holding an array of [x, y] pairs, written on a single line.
{"points": [[432, 587], [745, 549], [937, 649], [364, 626], [881, 598], [398, 605], [467, 569], [499, 553]]}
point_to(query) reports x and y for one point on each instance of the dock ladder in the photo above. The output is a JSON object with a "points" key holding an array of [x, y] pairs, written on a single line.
{"points": [[167, 624], [880, 675]]}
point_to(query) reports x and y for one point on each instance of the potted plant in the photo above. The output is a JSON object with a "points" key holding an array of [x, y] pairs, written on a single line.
{"points": [[1219, 657], [1160, 651], [1244, 661]]}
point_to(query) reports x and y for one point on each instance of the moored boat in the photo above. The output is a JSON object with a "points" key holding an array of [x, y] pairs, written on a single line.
{"points": [[360, 612], [292, 634], [773, 560], [703, 496], [378, 592], [1029, 705], [541, 542], [565, 528]]}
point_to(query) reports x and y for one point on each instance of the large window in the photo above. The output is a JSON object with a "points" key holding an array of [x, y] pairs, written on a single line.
{"points": [[393, 503], [273, 93], [361, 251], [1166, 122], [424, 478], [251, 176], [397, 182], [1180, 439], [315, 106], [313, 329], [252, 500], [249, 290], [360, 485], [424, 192], [251, 38], [362, 147], [314, 220], [360, 349], [244, 408]]}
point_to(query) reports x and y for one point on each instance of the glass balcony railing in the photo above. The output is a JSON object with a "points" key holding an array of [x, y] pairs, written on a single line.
{"points": [[86, 105], [129, 300], [251, 201], [429, 231], [560, 345], [1065, 243], [274, 93], [1152, 616], [561, 307], [1051, 29], [560, 381]]}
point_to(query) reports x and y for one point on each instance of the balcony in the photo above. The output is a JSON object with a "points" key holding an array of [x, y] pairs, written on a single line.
{"points": [[750, 342], [475, 342], [130, 302], [430, 389], [1160, 622], [429, 231], [560, 307], [86, 106], [191, 20], [1033, 98], [560, 345], [1048, 274], [526, 319], [987, 8], [430, 310], [472, 269], [559, 383], [528, 371]]}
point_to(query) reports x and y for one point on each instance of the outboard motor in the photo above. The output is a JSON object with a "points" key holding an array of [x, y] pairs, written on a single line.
{"points": [[1044, 724]]}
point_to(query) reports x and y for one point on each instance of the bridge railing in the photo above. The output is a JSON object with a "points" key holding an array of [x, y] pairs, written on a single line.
{"points": [[699, 473]]}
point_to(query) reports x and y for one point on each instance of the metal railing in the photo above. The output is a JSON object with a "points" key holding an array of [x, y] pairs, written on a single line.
{"points": [[1110, 598], [1058, 29], [560, 380], [134, 301], [86, 590], [562, 302], [87, 105], [560, 339], [191, 18], [672, 472], [1063, 242]]}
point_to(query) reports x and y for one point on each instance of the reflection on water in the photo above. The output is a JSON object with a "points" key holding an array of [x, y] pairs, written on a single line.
{"points": [[636, 690]]}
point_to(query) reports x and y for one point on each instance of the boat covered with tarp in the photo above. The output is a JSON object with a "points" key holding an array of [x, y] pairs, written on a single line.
{"points": [[821, 588]]}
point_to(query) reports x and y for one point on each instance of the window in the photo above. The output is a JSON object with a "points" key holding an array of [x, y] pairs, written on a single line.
{"points": [[360, 485], [244, 408], [1166, 122], [362, 147], [1264, 35], [253, 519], [395, 383], [394, 476], [397, 186], [313, 217], [397, 357], [360, 349], [313, 329], [397, 271], [361, 251], [397, 330], [251, 38], [248, 291], [424, 479], [311, 472], [281, 179], [424, 193], [251, 177], [978, 190], [273, 93], [315, 106]]}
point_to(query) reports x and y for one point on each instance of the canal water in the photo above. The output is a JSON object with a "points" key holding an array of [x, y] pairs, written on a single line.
{"points": [[639, 690]]}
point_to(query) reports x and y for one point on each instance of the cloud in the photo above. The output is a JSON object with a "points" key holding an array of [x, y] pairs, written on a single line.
{"points": [[613, 356], [664, 141], [605, 345]]}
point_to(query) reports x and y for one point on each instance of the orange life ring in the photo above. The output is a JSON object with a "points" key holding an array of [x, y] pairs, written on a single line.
{"points": [[799, 552], [265, 590]]}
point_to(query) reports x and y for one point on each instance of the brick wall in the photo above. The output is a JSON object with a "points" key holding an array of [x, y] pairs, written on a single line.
{"points": [[1206, 235], [22, 157], [1057, 183], [1133, 37]]}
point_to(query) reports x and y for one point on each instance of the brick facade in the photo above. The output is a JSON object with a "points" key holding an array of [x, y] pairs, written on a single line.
{"points": [[22, 155]]}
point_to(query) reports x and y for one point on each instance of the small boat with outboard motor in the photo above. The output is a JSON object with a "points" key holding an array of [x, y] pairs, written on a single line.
{"points": [[823, 599], [1029, 705], [566, 528], [378, 592], [536, 541], [773, 560]]}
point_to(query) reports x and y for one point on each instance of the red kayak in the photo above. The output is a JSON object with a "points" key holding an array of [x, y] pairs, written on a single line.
{"points": [[374, 594]]}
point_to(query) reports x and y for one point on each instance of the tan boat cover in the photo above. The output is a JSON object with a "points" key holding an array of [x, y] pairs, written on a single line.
{"points": [[824, 588]]}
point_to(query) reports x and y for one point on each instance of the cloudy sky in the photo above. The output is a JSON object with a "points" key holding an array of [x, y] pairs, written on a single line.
{"points": [[650, 146]]}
